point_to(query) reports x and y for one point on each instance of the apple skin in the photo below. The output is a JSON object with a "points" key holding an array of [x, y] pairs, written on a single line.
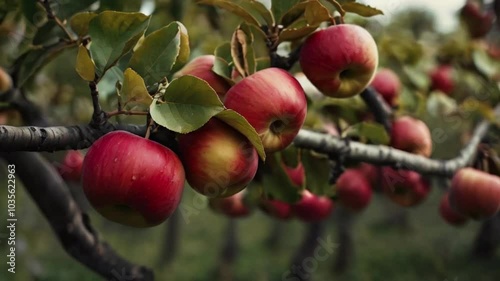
{"points": [[442, 79], [296, 174], [131, 180], [201, 67], [388, 85], [450, 215], [219, 160], [411, 135], [340, 60], [478, 23], [353, 190], [276, 209], [71, 167], [475, 194], [232, 206], [406, 188], [372, 173], [273, 102], [312, 208]]}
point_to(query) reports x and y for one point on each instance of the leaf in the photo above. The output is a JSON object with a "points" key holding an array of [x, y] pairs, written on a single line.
{"points": [[251, 11], [276, 183], [484, 63], [280, 7], [361, 9], [242, 51], [79, 23], [473, 106], [184, 51], [303, 19], [113, 35], [238, 122], [35, 59], [66, 8], [440, 104], [107, 84], [189, 102], [223, 65], [158, 53], [134, 91], [84, 65], [369, 132], [317, 169]]}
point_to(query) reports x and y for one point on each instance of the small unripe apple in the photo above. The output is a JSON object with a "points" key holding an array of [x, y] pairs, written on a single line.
{"points": [[411, 135], [71, 167], [475, 194], [296, 174], [477, 22], [442, 79], [219, 160], [201, 67], [353, 190], [273, 102], [275, 208], [340, 60], [388, 85], [406, 188], [450, 215], [132, 180], [5, 81], [232, 206], [312, 208]]}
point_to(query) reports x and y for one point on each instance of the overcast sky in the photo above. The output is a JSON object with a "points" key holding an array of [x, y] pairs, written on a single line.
{"points": [[444, 10]]}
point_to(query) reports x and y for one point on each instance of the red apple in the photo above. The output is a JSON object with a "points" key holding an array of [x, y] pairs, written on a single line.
{"points": [[411, 135], [312, 208], [475, 193], [275, 208], [477, 22], [372, 173], [296, 174], [442, 79], [201, 67], [71, 167], [273, 102], [340, 60], [353, 190], [219, 160], [232, 206], [406, 188], [450, 215], [388, 85], [132, 180]]}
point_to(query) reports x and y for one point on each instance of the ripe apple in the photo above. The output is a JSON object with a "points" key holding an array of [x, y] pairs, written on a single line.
{"points": [[448, 213], [132, 180], [406, 188], [388, 85], [232, 206], [275, 208], [219, 160], [411, 135], [71, 167], [340, 60], [5, 81], [273, 102], [312, 208], [475, 193], [442, 79], [353, 190], [201, 67], [372, 173], [477, 22], [296, 174]]}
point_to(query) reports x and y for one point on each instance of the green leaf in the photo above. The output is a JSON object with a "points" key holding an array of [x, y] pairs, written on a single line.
{"points": [[475, 107], [368, 132], [134, 91], [189, 102], [158, 53], [66, 8], [276, 183], [484, 63], [84, 65], [250, 11], [35, 59], [280, 8], [107, 84], [238, 122], [361, 9], [113, 35], [223, 64], [242, 51], [303, 19], [440, 104], [317, 170], [348, 109], [79, 23], [30, 9]]}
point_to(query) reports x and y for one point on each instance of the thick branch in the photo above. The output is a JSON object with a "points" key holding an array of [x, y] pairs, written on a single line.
{"points": [[71, 226]]}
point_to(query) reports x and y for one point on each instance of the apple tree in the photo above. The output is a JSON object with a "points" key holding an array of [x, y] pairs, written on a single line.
{"points": [[303, 109]]}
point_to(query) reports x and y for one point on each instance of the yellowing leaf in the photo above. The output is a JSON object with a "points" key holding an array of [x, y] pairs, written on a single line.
{"points": [[80, 22], [84, 65], [134, 90]]}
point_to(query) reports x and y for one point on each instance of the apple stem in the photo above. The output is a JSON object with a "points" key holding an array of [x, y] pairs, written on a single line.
{"points": [[150, 127]]}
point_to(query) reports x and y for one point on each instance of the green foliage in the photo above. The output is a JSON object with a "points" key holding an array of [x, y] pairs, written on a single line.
{"points": [[276, 183], [317, 168], [368, 132]]}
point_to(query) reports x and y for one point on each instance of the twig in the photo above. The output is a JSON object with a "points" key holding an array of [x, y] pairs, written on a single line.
{"points": [[52, 16]]}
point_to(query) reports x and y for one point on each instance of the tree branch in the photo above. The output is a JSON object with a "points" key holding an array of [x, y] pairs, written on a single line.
{"points": [[71, 226], [380, 109]]}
